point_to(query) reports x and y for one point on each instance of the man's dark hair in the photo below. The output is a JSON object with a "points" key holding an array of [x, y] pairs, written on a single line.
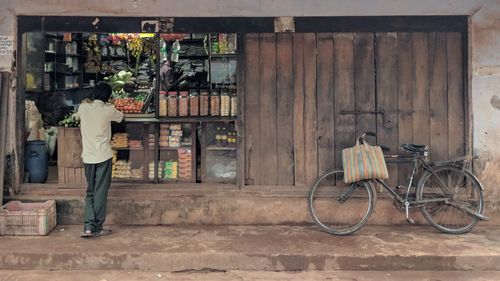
{"points": [[102, 91]]}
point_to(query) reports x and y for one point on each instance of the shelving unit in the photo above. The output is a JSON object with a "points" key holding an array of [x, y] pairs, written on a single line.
{"points": [[58, 75]]}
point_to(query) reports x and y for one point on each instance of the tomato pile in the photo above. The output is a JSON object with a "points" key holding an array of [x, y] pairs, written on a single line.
{"points": [[128, 105]]}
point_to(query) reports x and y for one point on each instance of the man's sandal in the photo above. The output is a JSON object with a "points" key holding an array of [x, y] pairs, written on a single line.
{"points": [[86, 234], [102, 232]]}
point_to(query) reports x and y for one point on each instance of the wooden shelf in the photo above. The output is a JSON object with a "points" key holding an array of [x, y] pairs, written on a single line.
{"points": [[175, 148], [220, 148], [65, 89], [193, 119], [224, 55]]}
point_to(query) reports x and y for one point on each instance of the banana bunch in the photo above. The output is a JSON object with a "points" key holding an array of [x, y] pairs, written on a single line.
{"points": [[93, 55], [135, 46]]}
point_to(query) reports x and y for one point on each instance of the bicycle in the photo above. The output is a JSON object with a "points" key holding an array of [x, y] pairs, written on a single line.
{"points": [[447, 193]]}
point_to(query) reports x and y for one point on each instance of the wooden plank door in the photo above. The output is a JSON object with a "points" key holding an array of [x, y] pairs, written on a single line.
{"points": [[298, 88]]}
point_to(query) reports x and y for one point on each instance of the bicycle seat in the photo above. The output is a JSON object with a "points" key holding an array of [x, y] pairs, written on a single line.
{"points": [[415, 148]]}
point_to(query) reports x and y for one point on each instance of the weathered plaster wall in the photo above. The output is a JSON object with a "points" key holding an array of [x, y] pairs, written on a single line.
{"points": [[485, 89], [484, 43]]}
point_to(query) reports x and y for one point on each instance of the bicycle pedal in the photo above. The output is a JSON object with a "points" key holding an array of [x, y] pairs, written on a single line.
{"points": [[410, 221]]}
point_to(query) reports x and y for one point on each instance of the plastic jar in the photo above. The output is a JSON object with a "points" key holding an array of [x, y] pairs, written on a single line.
{"points": [[172, 104], [204, 103], [184, 103], [194, 103], [163, 103], [214, 103], [224, 103]]}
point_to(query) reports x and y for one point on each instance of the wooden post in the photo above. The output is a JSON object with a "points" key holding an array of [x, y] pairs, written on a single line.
{"points": [[4, 92]]}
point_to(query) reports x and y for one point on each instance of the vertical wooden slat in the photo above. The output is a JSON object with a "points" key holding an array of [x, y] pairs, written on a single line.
{"points": [[405, 96], [252, 109], [421, 88], [298, 110], [387, 96], [268, 148], [326, 126], [3, 126], [284, 91], [310, 106], [364, 82], [438, 100], [240, 122], [343, 77], [456, 96]]}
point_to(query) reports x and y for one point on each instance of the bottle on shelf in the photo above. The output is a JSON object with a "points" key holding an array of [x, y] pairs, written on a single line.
{"points": [[224, 137], [218, 138]]}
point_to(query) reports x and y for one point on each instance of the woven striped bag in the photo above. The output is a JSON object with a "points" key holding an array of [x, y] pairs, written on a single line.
{"points": [[362, 162]]}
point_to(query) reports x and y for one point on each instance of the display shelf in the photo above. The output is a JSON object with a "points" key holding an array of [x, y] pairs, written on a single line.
{"points": [[50, 52], [220, 148], [126, 148], [175, 148], [139, 117], [193, 119], [181, 57], [224, 55], [68, 88]]}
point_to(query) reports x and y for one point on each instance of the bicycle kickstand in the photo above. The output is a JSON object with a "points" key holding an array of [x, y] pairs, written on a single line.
{"points": [[407, 209]]}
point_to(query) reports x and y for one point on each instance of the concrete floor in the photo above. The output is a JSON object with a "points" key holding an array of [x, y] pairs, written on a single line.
{"points": [[6, 275], [254, 248]]}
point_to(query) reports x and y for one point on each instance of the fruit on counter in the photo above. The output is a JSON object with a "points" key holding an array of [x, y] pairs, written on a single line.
{"points": [[128, 105]]}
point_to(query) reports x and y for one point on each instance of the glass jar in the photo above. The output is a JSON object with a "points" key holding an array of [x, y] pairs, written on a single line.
{"points": [[204, 103], [183, 103], [194, 103], [172, 104], [214, 103], [224, 103], [163, 104]]}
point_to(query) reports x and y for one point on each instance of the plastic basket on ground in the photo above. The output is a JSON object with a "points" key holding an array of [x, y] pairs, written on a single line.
{"points": [[17, 218]]}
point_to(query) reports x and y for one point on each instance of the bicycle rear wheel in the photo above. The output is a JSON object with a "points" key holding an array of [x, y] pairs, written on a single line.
{"points": [[339, 208], [447, 192]]}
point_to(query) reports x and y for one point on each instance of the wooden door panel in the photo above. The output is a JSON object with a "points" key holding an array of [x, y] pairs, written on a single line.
{"points": [[297, 85]]}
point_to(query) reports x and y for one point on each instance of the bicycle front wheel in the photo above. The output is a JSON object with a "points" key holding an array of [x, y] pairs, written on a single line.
{"points": [[339, 208], [448, 195]]}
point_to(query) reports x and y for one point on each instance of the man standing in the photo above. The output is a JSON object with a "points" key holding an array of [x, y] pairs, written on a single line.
{"points": [[95, 116]]}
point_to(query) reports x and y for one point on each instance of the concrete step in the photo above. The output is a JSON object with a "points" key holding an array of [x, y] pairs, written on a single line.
{"points": [[210, 205], [254, 248], [366, 275]]}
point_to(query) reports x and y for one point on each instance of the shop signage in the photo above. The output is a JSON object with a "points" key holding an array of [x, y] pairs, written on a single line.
{"points": [[6, 45]]}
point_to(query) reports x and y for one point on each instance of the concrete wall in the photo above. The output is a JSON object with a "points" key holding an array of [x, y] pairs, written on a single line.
{"points": [[484, 42]]}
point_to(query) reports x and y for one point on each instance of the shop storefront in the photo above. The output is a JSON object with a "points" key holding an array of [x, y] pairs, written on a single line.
{"points": [[230, 101], [178, 91]]}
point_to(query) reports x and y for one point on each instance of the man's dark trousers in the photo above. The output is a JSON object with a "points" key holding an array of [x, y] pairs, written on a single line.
{"points": [[98, 181]]}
